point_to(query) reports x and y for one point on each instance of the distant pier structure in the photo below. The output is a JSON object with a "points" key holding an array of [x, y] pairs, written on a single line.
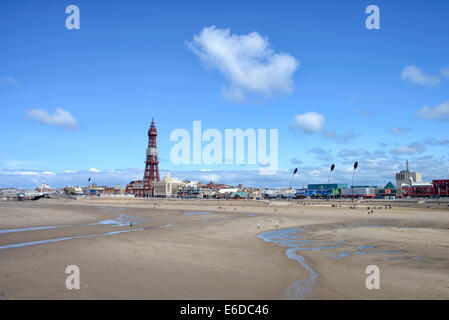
{"points": [[145, 187]]}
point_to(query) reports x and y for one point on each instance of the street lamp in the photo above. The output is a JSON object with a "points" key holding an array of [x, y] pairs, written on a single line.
{"points": [[294, 172], [356, 164], [329, 177]]}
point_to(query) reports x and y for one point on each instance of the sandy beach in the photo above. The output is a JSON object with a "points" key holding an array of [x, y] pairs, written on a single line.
{"points": [[209, 249]]}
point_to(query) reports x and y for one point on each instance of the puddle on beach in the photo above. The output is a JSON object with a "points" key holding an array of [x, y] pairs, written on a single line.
{"points": [[374, 226], [218, 219], [404, 258], [32, 243], [33, 229], [291, 237], [168, 225], [194, 213], [294, 239], [123, 220]]}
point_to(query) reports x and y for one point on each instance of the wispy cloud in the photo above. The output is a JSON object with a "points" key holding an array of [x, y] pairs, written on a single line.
{"points": [[439, 112], [410, 149], [22, 173], [22, 163], [296, 161], [397, 131], [60, 118], [313, 122], [414, 74], [321, 154], [445, 71], [339, 137], [348, 153], [434, 142], [8, 81], [247, 61]]}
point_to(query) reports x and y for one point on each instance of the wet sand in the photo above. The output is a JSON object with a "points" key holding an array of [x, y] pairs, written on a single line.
{"points": [[172, 252]]}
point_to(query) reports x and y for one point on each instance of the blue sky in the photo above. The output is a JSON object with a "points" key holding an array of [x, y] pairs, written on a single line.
{"points": [[340, 93]]}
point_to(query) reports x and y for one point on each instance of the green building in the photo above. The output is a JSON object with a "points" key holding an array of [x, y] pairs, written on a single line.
{"points": [[333, 188], [389, 191]]}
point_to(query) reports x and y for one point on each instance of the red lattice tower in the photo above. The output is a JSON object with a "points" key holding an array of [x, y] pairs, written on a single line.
{"points": [[152, 162]]}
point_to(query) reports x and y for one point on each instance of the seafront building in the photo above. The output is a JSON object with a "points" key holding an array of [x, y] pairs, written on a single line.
{"points": [[168, 187], [389, 191], [332, 189], [407, 178]]}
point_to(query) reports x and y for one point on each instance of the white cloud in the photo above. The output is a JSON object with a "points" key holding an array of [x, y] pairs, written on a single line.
{"points": [[414, 74], [93, 170], [209, 177], [313, 122], [309, 122], [49, 173], [445, 71], [23, 173], [440, 112], [411, 149], [397, 131], [60, 118], [247, 61]]}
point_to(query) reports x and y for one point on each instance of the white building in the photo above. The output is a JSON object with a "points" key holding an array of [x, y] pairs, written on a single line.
{"points": [[44, 188], [228, 190], [407, 177], [168, 187]]}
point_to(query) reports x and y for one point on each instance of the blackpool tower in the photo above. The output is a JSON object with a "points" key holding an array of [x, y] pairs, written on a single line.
{"points": [[144, 188], [152, 163]]}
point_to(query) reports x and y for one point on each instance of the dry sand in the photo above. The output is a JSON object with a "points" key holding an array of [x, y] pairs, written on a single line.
{"points": [[219, 256]]}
